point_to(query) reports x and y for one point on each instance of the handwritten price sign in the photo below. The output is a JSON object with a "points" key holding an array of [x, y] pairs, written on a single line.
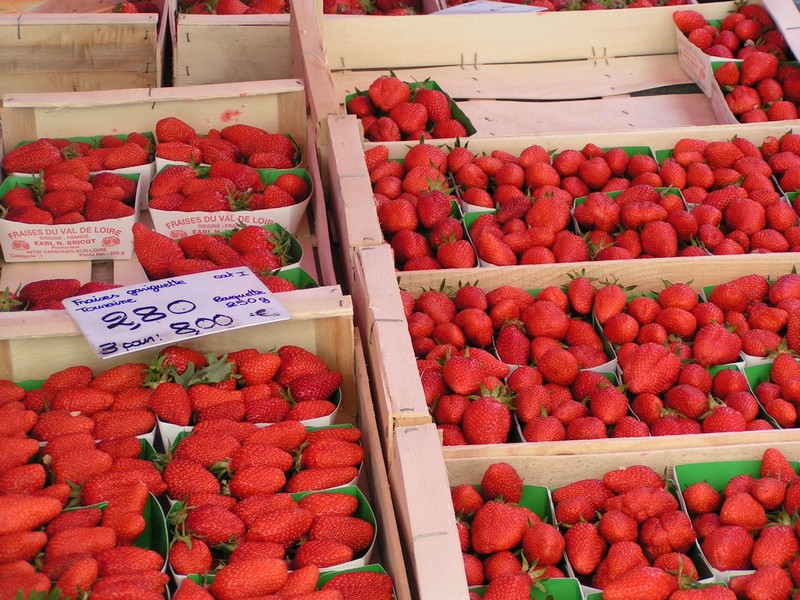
{"points": [[162, 312]]}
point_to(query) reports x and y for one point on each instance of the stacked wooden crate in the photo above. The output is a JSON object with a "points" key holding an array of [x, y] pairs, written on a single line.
{"points": [[322, 317], [559, 80]]}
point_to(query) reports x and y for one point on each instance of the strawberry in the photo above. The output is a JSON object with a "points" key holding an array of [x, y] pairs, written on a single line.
{"points": [[173, 129], [585, 547], [25, 585], [189, 590], [186, 476], [688, 20], [757, 67], [361, 585], [170, 402], [621, 481], [31, 158], [436, 103], [543, 544], [642, 582], [496, 526], [121, 423], [191, 556], [386, 92], [321, 478], [155, 251], [59, 422], [124, 559], [728, 547], [250, 550], [774, 464], [214, 524], [651, 368], [715, 345], [501, 482], [351, 531]]}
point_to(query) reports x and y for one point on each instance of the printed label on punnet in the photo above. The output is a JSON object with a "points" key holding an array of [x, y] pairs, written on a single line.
{"points": [[167, 311]]}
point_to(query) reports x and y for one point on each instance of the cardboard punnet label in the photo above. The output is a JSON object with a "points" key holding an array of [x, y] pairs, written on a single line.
{"points": [[129, 319]]}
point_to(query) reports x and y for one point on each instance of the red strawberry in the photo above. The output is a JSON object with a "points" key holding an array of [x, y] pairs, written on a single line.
{"points": [[386, 92]]}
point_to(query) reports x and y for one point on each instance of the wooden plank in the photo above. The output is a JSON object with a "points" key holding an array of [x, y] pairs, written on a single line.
{"points": [[277, 106], [399, 399], [561, 80], [494, 119], [350, 187], [556, 471], [79, 81], [231, 48], [389, 544], [437, 40], [46, 51], [321, 320], [322, 236], [608, 446], [13, 275], [658, 138], [646, 275], [425, 514], [310, 63]]}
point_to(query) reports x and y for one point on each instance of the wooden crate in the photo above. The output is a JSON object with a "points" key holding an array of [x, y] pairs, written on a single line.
{"points": [[390, 548], [646, 275], [425, 517], [421, 481], [277, 106], [592, 62], [399, 400], [350, 190], [59, 52], [322, 322], [310, 63]]}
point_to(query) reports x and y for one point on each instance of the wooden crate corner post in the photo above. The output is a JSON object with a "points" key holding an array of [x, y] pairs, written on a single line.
{"points": [[425, 514], [390, 546], [351, 196]]}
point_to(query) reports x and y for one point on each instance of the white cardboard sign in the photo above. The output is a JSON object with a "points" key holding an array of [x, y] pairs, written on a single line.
{"points": [[132, 318]]}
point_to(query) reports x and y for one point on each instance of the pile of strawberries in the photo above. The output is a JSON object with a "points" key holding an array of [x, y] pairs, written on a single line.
{"points": [[74, 440], [501, 538], [290, 384], [415, 210], [257, 576], [111, 153], [625, 521], [234, 7], [178, 141], [760, 89], [748, 523], [225, 186], [390, 112], [748, 30], [48, 294], [252, 246], [89, 548], [673, 351], [258, 469], [68, 194], [617, 200]]}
